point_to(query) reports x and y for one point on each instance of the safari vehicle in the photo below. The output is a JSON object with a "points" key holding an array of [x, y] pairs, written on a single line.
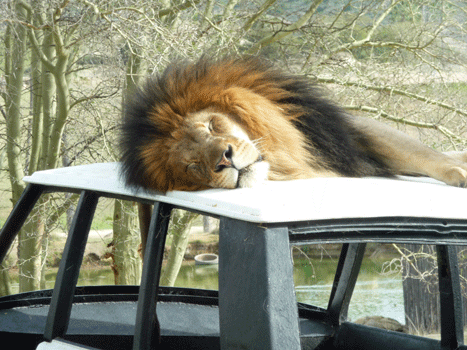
{"points": [[256, 305]]}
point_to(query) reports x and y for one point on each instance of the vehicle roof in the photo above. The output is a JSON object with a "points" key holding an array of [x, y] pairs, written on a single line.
{"points": [[282, 201]]}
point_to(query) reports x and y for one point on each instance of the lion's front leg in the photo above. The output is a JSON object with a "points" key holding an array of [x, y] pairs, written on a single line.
{"points": [[458, 155], [408, 156]]}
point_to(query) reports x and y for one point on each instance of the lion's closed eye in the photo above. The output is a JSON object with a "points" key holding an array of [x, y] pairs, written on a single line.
{"points": [[211, 126], [198, 170], [193, 167], [217, 125]]}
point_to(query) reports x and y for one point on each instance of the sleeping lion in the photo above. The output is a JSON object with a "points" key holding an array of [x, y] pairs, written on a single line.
{"points": [[237, 122]]}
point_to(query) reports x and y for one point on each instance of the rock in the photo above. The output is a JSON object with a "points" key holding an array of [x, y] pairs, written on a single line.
{"points": [[382, 322]]}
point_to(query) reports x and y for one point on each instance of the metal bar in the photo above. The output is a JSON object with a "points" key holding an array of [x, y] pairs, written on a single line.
{"points": [[18, 216], [68, 271], [452, 335], [390, 230], [257, 304], [339, 269], [146, 317], [344, 286], [380, 224]]}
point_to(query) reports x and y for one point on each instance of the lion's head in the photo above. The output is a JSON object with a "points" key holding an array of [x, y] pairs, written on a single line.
{"points": [[211, 150], [227, 123]]}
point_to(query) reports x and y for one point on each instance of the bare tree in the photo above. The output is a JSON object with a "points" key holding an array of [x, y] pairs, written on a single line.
{"points": [[49, 35]]}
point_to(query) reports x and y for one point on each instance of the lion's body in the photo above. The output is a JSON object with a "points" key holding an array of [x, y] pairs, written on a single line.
{"points": [[236, 122]]}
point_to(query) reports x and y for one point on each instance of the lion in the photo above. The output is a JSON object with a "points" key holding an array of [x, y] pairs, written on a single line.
{"points": [[237, 122]]}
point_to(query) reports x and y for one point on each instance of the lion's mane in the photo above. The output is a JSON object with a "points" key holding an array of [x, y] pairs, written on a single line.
{"points": [[287, 113]]}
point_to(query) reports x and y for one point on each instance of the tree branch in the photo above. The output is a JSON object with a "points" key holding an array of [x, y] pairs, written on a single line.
{"points": [[267, 4], [177, 8], [87, 143], [361, 42], [288, 30], [396, 91], [92, 97], [33, 39], [424, 125]]}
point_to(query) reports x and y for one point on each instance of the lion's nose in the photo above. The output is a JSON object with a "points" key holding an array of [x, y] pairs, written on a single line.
{"points": [[226, 160]]}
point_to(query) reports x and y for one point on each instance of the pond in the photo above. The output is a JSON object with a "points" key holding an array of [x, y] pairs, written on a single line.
{"points": [[375, 293]]}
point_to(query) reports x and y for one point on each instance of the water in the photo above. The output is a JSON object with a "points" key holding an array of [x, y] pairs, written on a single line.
{"points": [[375, 294], [372, 298], [383, 297]]}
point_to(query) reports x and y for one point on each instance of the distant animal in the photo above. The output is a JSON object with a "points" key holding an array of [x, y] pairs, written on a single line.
{"points": [[236, 122]]}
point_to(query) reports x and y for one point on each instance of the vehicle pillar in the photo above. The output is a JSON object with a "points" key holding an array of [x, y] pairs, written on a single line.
{"points": [[257, 303]]}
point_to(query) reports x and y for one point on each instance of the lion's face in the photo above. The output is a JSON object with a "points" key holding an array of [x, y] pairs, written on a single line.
{"points": [[211, 149]]}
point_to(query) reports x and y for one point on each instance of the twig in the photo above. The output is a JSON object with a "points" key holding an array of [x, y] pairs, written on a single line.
{"points": [[396, 91], [445, 131]]}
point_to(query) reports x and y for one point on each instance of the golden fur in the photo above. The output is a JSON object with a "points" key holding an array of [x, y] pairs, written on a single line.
{"points": [[237, 122]]}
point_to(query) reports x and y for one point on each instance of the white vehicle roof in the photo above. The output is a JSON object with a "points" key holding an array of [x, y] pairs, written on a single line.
{"points": [[283, 201]]}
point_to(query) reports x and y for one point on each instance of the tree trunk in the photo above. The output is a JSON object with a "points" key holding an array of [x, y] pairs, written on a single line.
{"points": [[180, 230], [30, 250], [15, 42], [207, 223], [5, 283], [37, 122], [47, 93], [63, 108], [127, 265], [420, 288]]}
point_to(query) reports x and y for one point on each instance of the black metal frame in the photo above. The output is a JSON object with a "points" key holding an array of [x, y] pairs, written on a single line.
{"points": [[147, 324], [255, 272], [256, 284], [70, 264], [345, 280], [388, 229], [452, 324]]}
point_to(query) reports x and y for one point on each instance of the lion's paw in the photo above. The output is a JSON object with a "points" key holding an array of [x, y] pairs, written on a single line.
{"points": [[456, 176]]}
